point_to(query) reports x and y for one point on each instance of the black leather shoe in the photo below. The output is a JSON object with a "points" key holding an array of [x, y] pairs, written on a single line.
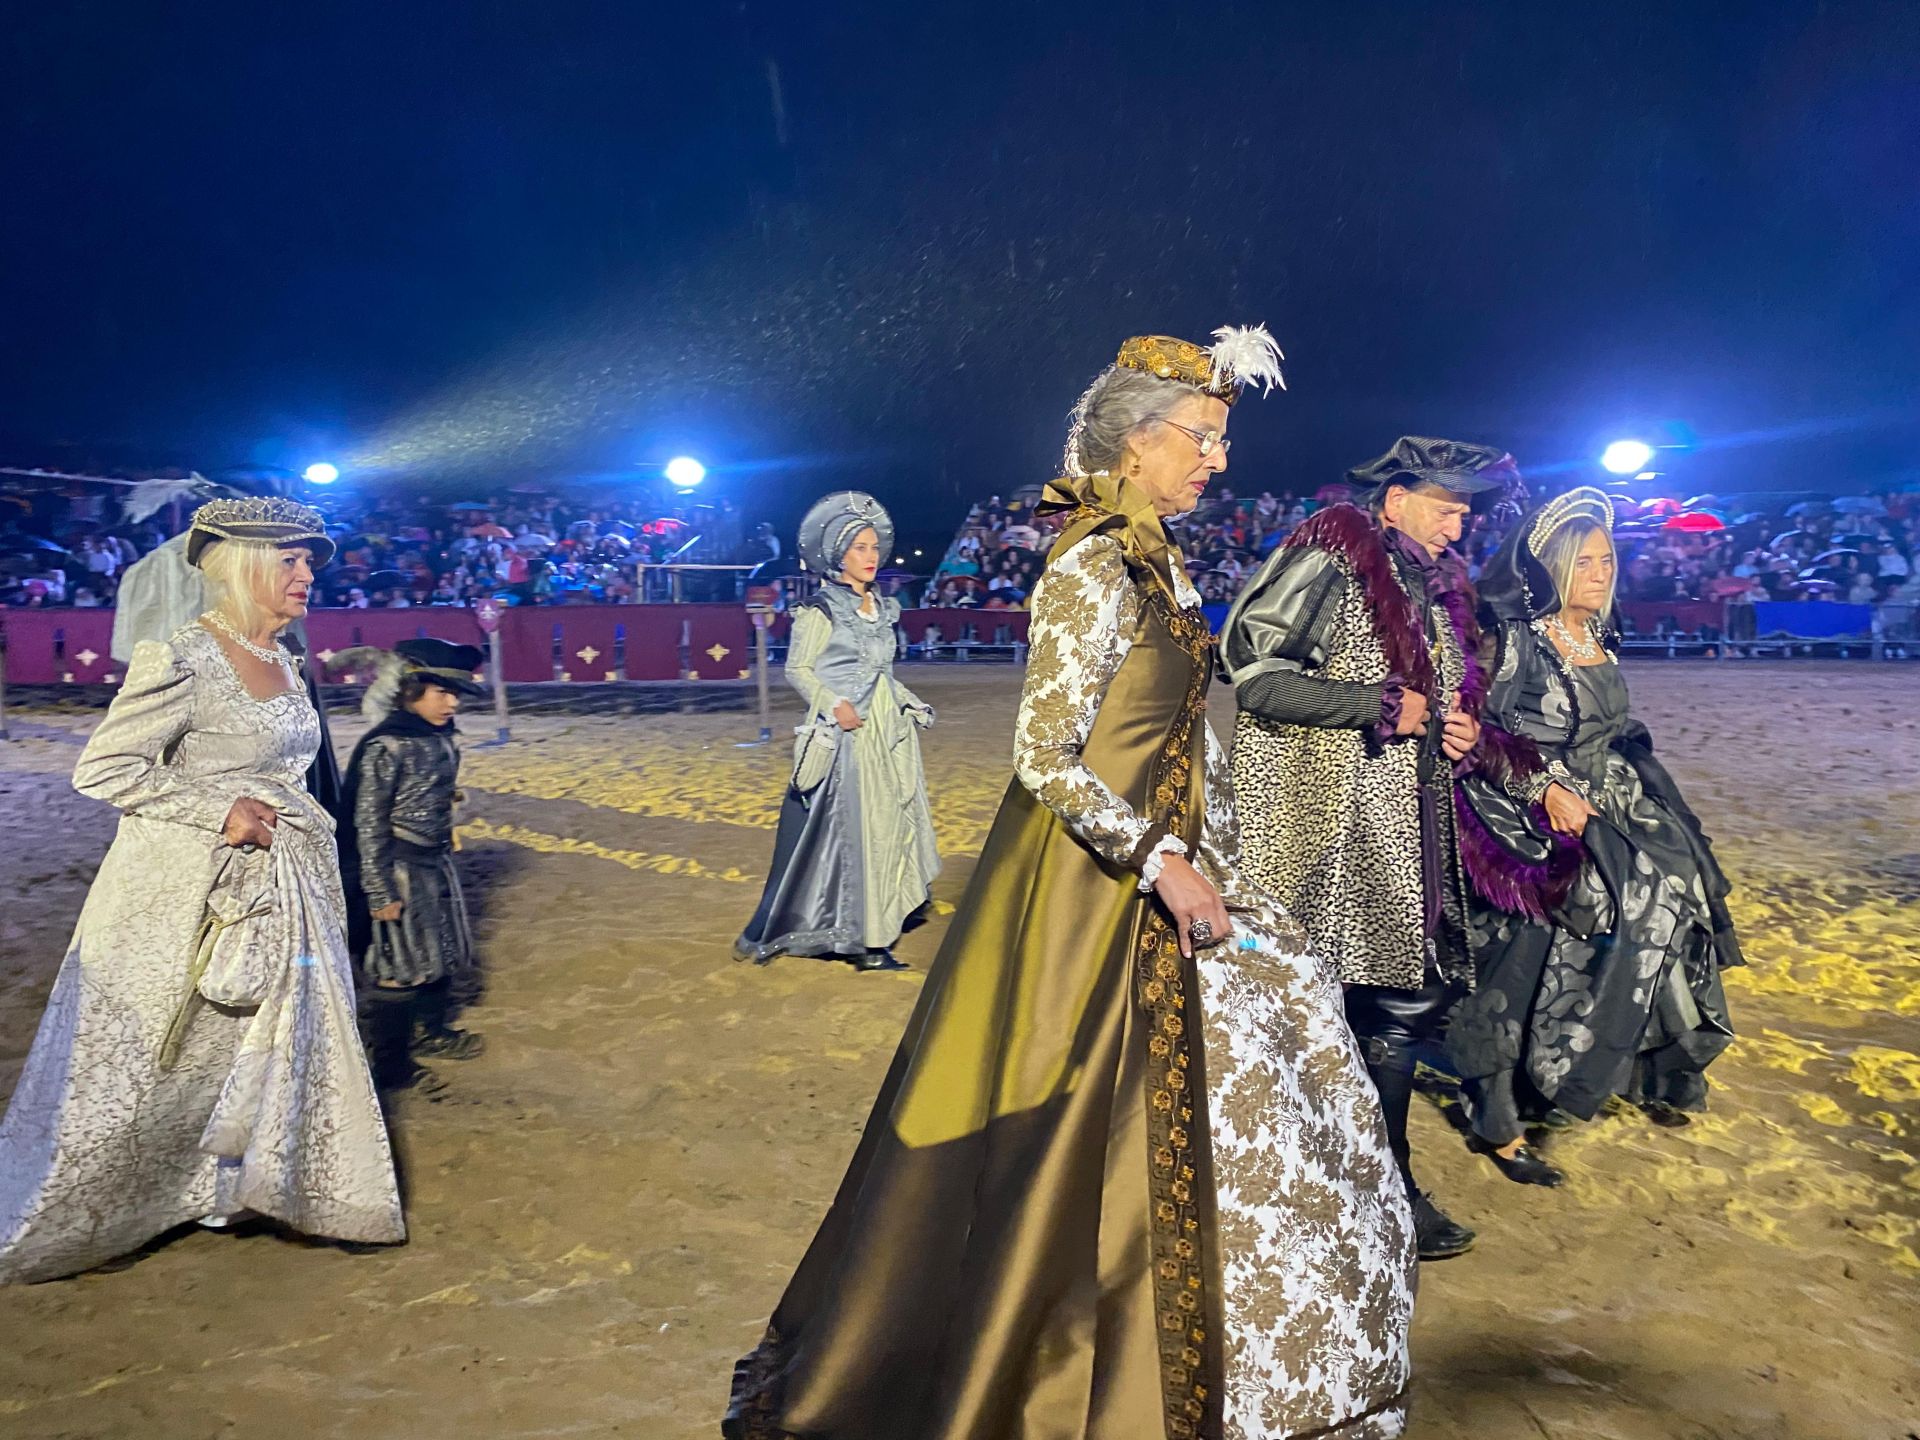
{"points": [[1523, 1167], [1665, 1116], [879, 960], [1436, 1234]]}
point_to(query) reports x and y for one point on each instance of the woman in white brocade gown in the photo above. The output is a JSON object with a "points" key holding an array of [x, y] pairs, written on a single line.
{"points": [[198, 1057]]}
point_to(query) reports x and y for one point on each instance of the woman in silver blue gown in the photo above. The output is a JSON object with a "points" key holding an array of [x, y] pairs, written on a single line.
{"points": [[854, 858]]}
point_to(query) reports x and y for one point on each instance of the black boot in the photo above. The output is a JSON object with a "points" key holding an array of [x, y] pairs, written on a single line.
{"points": [[390, 1011], [1437, 1235], [878, 960], [437, 1038]]}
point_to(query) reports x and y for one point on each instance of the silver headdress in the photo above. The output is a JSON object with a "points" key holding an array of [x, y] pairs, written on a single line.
{"points": [[830, 526], [1583, 503]]}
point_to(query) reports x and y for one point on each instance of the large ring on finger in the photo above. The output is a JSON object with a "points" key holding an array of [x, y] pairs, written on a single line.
{"points": [[1200, 932]]}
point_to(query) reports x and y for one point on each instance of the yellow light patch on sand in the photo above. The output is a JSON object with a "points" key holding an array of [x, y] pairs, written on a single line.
{"points": [[1772, 1181], [1779, 1051], [1892, 1075], [632, 859], [678, 777], [1846, 950]]}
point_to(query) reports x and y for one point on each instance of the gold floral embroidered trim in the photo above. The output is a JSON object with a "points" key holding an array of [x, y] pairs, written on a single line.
{"points": [[1179, 1209]]}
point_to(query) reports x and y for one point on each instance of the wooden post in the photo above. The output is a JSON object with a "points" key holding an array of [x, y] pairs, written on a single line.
{"points": [[501, 731], [487, 614], [761, 623]]}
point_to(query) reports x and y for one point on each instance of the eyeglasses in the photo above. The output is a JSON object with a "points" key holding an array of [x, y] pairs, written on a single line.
{"points": [[1207, 440]]}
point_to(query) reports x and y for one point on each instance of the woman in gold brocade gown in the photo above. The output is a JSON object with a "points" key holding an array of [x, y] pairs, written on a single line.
{"points": [[1126, 1179]]}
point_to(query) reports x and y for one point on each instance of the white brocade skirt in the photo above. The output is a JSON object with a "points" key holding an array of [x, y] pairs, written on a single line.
{"points": [[103, 1148], [1316, 1236]]}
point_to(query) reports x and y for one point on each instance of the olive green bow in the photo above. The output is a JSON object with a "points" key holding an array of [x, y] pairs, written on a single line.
{"points": [[1116, 506]]}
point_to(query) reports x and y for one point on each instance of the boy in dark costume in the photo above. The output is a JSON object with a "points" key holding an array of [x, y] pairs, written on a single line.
{"points": [[407, 918]]}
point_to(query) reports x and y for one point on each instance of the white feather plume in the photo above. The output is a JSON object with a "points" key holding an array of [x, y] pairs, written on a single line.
{"points": [[1249, 354], [152, 495], [383, 695]]}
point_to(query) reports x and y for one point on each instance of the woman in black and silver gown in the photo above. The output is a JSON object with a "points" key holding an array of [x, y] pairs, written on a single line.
{"points": [[1618, 991]]}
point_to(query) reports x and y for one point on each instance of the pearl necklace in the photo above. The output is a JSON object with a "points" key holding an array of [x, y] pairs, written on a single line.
{"points": [[1585, 649], [272, 654]]}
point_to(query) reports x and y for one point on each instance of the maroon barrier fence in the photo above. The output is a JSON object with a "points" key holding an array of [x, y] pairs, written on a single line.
{"points": [[537, 642], [986, 625], [1689, 615], [55, 647]]}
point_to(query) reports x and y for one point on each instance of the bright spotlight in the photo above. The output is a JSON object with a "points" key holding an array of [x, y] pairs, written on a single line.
{"points": [[1626, 457], [685, 471], [323, 473]]}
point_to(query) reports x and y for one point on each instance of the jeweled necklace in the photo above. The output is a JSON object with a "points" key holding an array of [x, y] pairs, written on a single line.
{"points": [[1586, 649], [272, 654]]}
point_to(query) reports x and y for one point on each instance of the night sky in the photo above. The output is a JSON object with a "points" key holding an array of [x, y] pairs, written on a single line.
{"points": [[455, 241]]}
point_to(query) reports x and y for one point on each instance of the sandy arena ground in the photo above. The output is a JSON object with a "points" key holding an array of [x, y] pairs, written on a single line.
{"points": [[606, 1206]]}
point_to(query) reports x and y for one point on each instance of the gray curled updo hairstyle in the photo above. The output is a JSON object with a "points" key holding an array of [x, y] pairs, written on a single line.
{"points": [[1153, 374], [1118, 403]]}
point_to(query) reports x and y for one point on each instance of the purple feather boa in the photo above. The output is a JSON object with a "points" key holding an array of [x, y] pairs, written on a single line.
{"points": [[1498, 876]]}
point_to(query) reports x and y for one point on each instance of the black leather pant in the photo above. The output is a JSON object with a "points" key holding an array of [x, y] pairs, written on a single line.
{"points": [[1391, 1026]]}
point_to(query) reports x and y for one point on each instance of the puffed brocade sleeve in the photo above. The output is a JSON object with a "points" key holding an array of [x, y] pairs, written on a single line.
{"points": [[1083, 612], [811, 631], [125, 762]]}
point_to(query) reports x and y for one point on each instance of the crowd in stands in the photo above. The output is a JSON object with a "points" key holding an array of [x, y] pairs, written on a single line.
{"points": [[1857, 549], [71, 546]]}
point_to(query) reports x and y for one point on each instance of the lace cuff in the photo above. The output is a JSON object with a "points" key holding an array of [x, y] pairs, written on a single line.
{"points": [[1156, 860], [1557, 773]]}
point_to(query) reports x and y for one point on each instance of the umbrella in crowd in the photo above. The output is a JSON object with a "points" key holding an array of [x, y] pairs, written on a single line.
{"points": [[388, 580], [468, 505], [492, 532], [1696, 522], [1824, 557], [1809, 507], [1859, 505]]}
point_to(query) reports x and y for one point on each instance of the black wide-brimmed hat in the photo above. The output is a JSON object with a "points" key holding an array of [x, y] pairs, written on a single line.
{"points": [[1461, 468], [443, 662]]}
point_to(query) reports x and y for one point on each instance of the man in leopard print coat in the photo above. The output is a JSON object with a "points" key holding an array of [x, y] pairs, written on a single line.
{"points": [[1352, 654]]}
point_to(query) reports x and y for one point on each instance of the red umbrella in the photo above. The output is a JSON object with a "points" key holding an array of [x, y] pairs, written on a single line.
{"points": [[492, 532], [1663, 505], [1697, 522]]}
